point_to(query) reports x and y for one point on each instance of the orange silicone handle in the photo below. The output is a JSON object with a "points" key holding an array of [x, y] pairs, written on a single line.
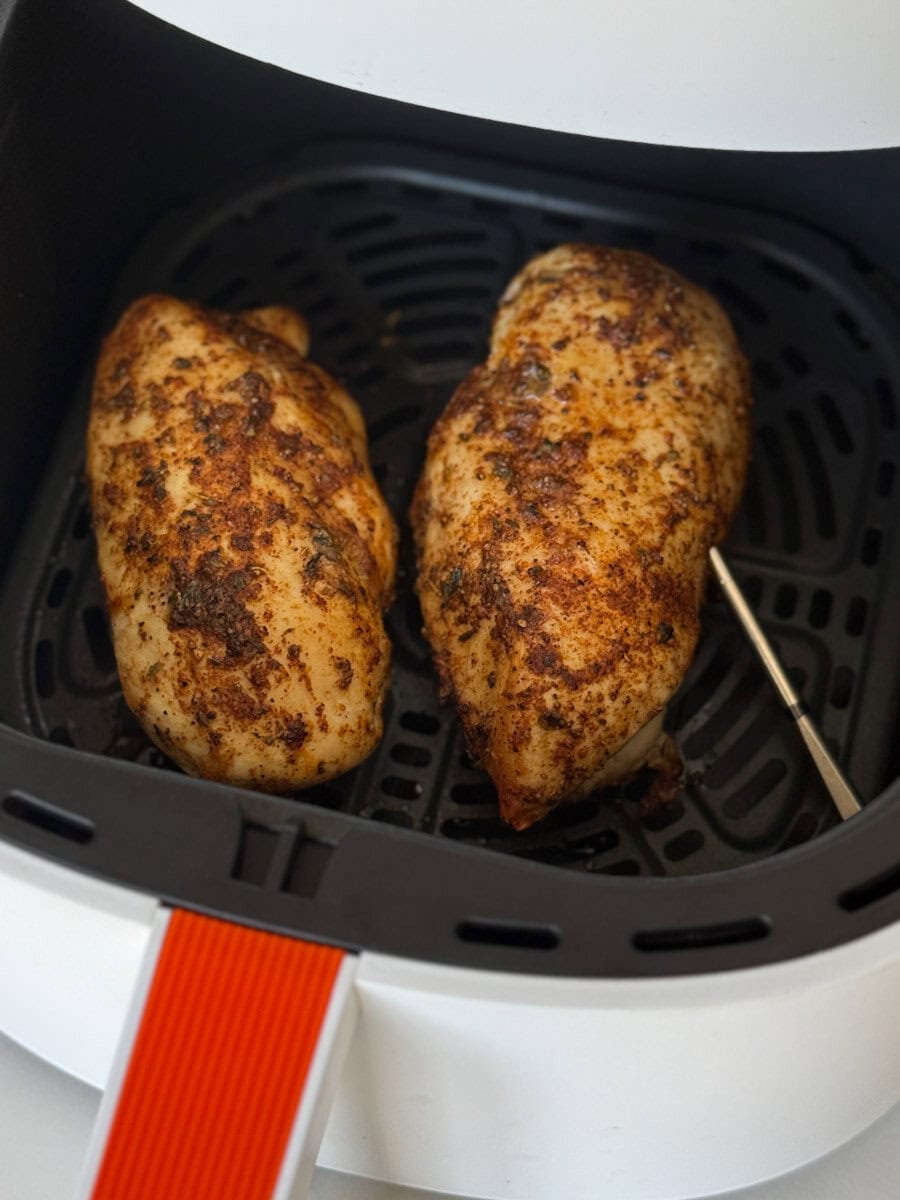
{"points": [[218, 1065]]}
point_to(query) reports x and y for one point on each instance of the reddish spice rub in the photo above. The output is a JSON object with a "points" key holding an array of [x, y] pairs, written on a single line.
{"points": [[246, 553], [571, 491]]}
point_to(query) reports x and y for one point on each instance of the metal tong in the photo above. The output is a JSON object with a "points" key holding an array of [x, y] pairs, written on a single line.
{"points": [[845, 799]]}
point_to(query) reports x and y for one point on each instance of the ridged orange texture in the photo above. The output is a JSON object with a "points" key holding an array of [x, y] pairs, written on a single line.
{"points": [[218, 1066]]}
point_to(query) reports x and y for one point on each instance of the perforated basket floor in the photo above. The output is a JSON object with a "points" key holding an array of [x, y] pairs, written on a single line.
{"points": [[397, 258]]}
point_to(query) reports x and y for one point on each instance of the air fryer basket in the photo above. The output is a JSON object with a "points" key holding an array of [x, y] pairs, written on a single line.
{"points": [[398, 263], [397, 257]]}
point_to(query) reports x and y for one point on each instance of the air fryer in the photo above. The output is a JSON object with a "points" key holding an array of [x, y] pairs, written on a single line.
{"points": [[137, 158]]}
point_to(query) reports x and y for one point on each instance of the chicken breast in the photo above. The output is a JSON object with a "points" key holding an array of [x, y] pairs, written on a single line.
{"points": [[245, 550], [570, 494]]}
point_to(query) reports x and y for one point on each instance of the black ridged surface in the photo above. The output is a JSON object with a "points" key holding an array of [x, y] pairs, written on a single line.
{"points": [[398, 269]]}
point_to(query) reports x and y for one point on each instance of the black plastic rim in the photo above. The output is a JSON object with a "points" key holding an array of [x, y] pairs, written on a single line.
{"points": [[296, 869]]}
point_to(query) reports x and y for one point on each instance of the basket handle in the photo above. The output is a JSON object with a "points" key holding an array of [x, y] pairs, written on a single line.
{"points": [[226, 1068]]}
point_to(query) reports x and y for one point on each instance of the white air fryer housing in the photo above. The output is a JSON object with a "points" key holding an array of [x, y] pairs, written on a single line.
{"points": [[727, 74], [505, 1086]]}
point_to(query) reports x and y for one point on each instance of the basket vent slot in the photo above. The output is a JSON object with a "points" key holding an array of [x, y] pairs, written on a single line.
{"points": [[409, 755], [519, 935], [420, 722], [703, 937], [877, 888], [58, 588], [52, 819]]}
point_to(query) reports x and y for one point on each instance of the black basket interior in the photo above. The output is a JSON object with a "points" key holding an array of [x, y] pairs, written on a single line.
{"points": [[398, 264]]}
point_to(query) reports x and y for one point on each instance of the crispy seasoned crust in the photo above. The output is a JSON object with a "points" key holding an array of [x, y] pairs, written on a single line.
{"points": [[245, 550], [571, 490]]}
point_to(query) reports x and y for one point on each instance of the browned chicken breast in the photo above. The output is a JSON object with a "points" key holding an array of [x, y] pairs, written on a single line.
{"points": [[571, 491], [246, 552]]}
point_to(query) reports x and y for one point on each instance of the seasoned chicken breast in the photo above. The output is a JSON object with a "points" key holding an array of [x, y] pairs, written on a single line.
{"points": [[570, 494], [245, 550]]}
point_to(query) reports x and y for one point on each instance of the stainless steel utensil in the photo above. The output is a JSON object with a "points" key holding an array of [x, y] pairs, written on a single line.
{"points": [[845, 799]]}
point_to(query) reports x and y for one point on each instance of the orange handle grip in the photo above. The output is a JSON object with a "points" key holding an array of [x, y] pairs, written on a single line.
{"points": [[218, 1066]]}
